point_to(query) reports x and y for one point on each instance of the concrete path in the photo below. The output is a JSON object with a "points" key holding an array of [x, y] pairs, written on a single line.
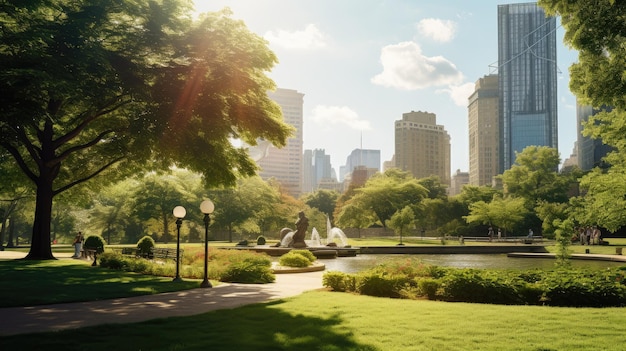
{"points": [[20, 320]]}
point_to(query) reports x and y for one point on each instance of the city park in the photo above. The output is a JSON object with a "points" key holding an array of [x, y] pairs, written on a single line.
{"points": [[101, 118]]}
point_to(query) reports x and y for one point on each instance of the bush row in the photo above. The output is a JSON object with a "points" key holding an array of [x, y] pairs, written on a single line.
{"points": [[224, 265], [557, 287]]}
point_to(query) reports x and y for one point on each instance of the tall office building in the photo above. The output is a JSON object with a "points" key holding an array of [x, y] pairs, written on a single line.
{"points": [[360, 157], [527, 74], [285, 165], [422, 147], [590, 151], [307, 172], [484, 131], [322, 169], [459, 179]]}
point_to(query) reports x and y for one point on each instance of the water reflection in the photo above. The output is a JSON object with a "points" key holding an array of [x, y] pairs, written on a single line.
{"points": [[364, 261]]}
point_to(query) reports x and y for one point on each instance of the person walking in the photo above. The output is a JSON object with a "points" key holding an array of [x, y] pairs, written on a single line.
{"points": [[78, 244]]}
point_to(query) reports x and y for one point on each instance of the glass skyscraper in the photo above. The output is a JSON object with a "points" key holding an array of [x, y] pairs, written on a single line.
{"points": [[527, 80]]}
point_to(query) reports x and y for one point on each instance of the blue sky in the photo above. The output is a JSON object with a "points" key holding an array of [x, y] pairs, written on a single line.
{"points": [[363, 63]]}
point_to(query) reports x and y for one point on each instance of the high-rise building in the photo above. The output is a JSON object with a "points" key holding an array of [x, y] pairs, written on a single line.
{"points": [[484, 131], [360, 157], [527, 74], [285, 165], [322, 168], [307, 172], [422, 147], [590, 151], [459, 179]]}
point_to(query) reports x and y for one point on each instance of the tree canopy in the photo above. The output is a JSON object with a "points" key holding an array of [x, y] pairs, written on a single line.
{"points": [[107, 89], [596, 29]]}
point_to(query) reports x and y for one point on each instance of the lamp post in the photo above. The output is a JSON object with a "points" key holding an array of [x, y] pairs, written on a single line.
{"points": [[179, 213], [207, 208]]}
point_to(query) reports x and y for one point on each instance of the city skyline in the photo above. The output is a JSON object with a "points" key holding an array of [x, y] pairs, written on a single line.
{"points": [[361, 65]]}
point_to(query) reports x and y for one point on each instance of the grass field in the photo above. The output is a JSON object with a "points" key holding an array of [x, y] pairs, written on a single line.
{"points": [[339, 321], [317, 320]]}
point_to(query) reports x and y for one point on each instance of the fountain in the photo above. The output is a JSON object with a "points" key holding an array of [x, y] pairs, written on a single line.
{"points": [[315, 239], [287, 239], [335, 236]]}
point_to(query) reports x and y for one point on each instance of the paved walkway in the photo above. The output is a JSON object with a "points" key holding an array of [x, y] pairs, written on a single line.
{"points": [[20, 320]]}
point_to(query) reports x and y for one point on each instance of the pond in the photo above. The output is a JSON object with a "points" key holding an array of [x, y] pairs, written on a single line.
{"points": [[364, 261]]}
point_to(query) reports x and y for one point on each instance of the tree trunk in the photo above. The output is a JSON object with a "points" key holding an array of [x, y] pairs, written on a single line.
{"points": [[40, 246]]}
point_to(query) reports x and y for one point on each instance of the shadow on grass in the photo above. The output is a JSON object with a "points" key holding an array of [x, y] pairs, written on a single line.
{"points": [[252, 327], [30, 283]]}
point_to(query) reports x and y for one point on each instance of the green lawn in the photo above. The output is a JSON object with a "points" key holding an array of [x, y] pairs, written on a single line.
{"points": [[27, 283], [312, 321], [340, 321]]}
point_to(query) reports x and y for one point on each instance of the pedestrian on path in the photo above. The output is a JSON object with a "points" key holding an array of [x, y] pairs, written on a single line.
{"points": [[78, 244]]}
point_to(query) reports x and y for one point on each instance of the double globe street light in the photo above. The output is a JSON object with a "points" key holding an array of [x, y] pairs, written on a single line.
{"points": [[207, 207]]}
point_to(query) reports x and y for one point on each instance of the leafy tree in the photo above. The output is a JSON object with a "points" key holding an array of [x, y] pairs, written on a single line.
{"points": [[436, 189], [534, 176], [503, 213], [472, 193], [115, 88], [386, 193], [352, 216], [155, 198], [402, 221], [596, 30], [324, 200]]}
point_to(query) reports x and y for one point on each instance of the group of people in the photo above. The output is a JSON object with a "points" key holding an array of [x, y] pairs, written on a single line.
{"points": [[491, 234], [589, 235]]}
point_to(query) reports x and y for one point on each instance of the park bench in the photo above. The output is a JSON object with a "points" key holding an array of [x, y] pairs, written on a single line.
{"points": [[163, 253]]}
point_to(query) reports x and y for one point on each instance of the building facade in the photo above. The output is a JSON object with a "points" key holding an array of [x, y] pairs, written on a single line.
{"points": [[459, 179], [484, 131], [360, 157], [286, 165], [590, 151], [527, 74], [422, 147]]}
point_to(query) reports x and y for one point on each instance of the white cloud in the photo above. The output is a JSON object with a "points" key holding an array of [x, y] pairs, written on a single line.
{"points": [[406, 68], [437, 29], [333, 115], [459, 93], [309, 38]]}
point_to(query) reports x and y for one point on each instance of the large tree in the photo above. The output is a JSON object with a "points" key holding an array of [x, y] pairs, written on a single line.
{"points": [[597, 30], [535, 178], [386, 193], [108, 88]]}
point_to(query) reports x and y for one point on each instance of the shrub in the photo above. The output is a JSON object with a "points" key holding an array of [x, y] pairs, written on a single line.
{"points": [[306, 253], [582, 288], [112, 260], [381, 285], [472, 285], [261, 240], [144, 245], [95, 241], [248, 272], [294, 259], [335, 280], [428, 287]]}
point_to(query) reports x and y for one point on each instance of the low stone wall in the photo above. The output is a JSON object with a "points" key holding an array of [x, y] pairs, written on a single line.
{"points": [[451, 249]]}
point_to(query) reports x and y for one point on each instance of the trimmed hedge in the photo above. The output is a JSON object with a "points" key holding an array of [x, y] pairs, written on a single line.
{"points": [[558, 287]]}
